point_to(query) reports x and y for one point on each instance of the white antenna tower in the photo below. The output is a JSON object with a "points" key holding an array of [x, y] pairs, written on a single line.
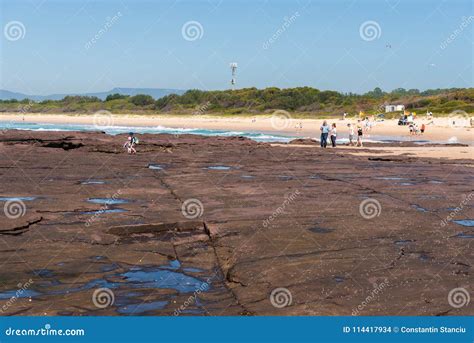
{"points": [[233, 67]]}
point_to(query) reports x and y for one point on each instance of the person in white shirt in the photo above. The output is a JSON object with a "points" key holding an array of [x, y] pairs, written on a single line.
{"points": [[333, 135], [324, 134], [351, 134]]}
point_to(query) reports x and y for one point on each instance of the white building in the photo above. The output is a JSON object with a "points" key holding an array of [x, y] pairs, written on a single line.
{"points": [[394, 108]]}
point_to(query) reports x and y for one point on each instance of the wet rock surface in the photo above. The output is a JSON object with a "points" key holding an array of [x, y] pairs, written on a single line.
{"points": [[308, 141], [224, 224]]}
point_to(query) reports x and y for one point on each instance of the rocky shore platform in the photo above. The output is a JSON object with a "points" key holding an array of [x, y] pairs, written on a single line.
{"points": [[194, 225]]}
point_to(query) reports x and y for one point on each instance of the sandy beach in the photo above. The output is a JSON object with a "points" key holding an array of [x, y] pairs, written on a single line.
{"points": [[441, 131], [441, 152]]}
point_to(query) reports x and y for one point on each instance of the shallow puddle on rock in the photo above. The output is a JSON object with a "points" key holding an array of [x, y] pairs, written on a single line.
{"points": [[18, 293], [163, 277], [156, 166], [465, 222], [320, 230], [285, 177], [43, 273], [391, 178], [108, 210], [143, 307], [108, 201], [464, 235], [194, 311], [99, 258], [406, 184], [192, 270], [339, 279], [430, 197], [92, 182], [220, 167], [404, 241], [173, 264], [151, 277], [424, 257], [419, 208], [247, 177], [133, 294], [109, 267]]}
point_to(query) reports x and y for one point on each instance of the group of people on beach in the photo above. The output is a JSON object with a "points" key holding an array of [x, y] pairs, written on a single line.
{"points": [[416, 130], [331, 132], [409, 119], [328, 133]]}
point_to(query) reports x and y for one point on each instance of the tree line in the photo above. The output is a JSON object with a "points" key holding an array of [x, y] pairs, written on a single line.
{"points": [[253, 100]]}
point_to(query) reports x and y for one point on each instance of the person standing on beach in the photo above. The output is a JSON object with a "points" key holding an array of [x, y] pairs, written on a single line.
{"points": [[360, 133], [324, 134], [333, 135], [351, 134]]}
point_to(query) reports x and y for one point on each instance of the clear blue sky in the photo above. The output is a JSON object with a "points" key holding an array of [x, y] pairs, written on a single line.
{"points": [[322, 47]]}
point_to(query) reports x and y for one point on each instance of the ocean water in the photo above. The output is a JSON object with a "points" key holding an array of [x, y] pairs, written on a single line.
{"points": [[258, 136], [115, 130]]}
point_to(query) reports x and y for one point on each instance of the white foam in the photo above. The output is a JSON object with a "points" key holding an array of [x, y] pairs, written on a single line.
{"points": [[453, 140]]}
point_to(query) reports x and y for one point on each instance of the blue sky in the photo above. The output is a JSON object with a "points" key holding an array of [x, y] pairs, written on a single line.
{"points": [[321, 46]]}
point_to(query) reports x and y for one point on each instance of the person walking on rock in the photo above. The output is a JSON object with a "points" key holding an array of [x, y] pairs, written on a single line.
{"points": [[130, 144]]}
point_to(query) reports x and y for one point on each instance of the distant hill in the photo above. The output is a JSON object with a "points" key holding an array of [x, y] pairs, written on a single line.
{"points": [[154, 92]]}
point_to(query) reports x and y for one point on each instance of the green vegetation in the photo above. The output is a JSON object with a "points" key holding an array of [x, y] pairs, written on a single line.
{"points": [[303, 101], [115, 96]]}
